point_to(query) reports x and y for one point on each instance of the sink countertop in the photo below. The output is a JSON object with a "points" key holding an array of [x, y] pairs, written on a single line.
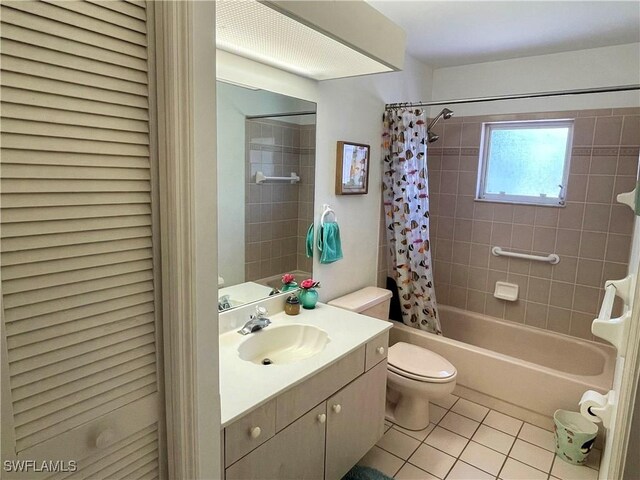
{"points": [[245, 386]]}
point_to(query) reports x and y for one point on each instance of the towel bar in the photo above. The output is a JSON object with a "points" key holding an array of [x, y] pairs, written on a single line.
{"points": [[261, 178], [552, 258]]}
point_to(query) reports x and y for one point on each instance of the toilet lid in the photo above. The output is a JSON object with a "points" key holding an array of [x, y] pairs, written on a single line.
{"points": [[417, 362]]}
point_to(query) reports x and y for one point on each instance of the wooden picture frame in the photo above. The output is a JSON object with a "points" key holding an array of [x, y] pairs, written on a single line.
{"points": [[352, 168]]}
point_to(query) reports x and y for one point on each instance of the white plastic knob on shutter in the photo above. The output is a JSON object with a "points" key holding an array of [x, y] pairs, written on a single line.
{"points": [[79, 372]]}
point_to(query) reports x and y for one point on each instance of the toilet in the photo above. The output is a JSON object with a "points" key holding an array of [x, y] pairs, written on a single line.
{"points": [[414, 374]]}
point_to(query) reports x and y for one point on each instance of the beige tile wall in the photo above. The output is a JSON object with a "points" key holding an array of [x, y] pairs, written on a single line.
{"points": [[276, 213], [592, 234], [306, 191]]}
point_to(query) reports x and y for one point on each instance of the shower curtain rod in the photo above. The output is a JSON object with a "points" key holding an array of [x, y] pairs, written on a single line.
{"points": [[558, 93], [274, 115]]}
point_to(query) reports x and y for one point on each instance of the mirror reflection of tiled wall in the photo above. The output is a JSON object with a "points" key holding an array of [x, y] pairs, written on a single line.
{"points": [[278, 214]]}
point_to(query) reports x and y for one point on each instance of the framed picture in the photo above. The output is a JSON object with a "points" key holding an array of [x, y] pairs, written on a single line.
{"points": [[352, 169]]}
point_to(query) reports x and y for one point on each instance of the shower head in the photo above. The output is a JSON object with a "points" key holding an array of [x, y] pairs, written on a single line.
{"points": [[446, 114]]}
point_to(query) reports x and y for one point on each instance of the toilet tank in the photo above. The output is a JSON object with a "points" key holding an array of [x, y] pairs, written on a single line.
{"points": [[370, 301]]}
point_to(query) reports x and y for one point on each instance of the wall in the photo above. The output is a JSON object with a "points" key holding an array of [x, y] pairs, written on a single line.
{"points": [[233, 105], [205, 338], [278, 214], [592, 234], [351, 109], [598, 67]]}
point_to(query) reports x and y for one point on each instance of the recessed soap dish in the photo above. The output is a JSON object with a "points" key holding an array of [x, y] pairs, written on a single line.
{"points": [[506, 291]]}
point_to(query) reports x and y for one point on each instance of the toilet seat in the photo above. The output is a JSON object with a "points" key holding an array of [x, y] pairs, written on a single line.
{"points": [[420, 364], [418, 378]]}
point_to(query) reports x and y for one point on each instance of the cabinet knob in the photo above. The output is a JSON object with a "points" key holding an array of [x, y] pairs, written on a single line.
{"points": [[255, 432], [380, 350], [337, 408], [322, 418], [105, 438]]}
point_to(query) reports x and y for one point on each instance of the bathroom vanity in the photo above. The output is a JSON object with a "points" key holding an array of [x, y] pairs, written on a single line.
{"points": [[311, 414]]}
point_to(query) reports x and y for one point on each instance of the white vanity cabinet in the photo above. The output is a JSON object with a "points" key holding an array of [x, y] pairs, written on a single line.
{"points": [[355, 421], [295, 453], [323, 426]]}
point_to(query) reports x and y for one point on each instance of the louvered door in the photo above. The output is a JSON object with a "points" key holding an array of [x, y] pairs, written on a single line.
{"points": [[81, 359]]}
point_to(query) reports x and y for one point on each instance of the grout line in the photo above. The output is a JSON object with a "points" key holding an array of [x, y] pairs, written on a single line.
{"points": [[447, 453], [493, 449], [435, 425], [510, 416], [471, 418], [509, 452], [415, 466], [529, 465], [421, 442], [408, 457], [394, 455], [477, 467], [390, 453], [467, 439], [584, 213], [555, 248], [525, 441], [555, 458]]}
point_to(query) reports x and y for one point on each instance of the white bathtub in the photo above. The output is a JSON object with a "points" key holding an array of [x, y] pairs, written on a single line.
{"points": [[526, 367]]}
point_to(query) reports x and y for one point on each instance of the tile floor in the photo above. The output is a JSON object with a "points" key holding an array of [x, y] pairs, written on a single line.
{"points": [[466, 441]]}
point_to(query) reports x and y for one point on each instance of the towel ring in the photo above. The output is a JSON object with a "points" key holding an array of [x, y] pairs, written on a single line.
{"points": [[327, 210]]}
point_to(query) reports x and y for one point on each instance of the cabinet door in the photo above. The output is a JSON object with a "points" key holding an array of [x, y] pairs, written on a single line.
{"points": [[296, 453], [249, 432], [355, 421], [79, 307]]}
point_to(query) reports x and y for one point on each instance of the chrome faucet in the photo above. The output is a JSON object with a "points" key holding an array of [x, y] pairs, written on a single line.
{"points": [[224, 303], [256, 322]]}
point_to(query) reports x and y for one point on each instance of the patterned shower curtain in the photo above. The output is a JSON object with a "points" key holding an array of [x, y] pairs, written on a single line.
{"points": [[406, 207]]}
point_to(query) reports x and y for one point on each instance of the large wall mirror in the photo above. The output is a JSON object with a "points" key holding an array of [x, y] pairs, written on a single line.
{"points": [[266, 174]]}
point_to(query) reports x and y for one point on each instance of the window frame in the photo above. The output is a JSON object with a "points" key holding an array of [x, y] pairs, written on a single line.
{"points": [[485, 150]]}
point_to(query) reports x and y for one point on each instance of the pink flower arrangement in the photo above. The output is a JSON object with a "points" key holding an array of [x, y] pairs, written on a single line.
{"points": [[288, 278], [309, 283]]}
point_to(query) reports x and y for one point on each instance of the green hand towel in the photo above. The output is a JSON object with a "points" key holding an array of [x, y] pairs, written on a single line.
{"points": [[309, 243], [329, 243]]}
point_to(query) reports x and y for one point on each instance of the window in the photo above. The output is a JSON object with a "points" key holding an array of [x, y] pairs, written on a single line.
{"points": [[525, 162]]}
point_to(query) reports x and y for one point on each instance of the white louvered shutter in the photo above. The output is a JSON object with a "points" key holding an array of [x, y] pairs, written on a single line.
{"points": [[80, 367]]}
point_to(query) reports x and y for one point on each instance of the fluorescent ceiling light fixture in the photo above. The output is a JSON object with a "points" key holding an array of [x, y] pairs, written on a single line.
{"points": [[255, 31], [237, 84]]}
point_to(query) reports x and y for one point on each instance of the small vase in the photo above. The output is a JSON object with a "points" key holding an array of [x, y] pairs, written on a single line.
{"points": [[287, 287], [308, 298]]}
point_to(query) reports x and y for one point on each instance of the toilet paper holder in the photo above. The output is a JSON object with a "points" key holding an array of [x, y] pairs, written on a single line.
{"points": [[598, 407]]}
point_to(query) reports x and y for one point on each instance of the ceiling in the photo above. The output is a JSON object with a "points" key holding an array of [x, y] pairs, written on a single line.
{"points": [[448, 33]]}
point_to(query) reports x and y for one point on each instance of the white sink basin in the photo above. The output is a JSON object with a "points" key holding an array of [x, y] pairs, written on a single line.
{"points": [[283, 344]]}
